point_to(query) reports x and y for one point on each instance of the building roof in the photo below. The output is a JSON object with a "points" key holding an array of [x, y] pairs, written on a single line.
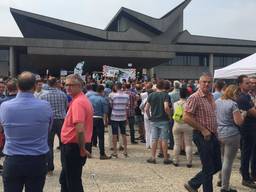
{"points": [[159, 24], [25, 21], [186, 38], [165, 30]]}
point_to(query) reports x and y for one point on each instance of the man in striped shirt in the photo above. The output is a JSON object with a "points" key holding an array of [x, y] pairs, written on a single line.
{"points": [[119, 102]]}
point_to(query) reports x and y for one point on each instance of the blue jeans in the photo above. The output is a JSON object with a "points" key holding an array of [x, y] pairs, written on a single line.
{"points": [[160, 130], [210, 157]]}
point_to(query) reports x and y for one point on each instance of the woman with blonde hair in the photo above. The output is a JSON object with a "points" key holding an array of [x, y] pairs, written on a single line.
{"points": [[228, 118]]}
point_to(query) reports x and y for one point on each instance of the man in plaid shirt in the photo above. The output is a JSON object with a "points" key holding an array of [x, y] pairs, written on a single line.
{"points": [[200, 114], [59, 103], [131, 111]]}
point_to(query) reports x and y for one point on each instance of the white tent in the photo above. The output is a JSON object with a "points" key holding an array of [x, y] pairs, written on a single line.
{"points": [[246, 66]]}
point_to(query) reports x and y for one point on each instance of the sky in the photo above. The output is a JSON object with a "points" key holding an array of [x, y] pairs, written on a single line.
{"points": [[218, 18]]}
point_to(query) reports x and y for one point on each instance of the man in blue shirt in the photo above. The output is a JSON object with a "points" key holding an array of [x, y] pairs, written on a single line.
{"points": [[248, 130], [100, 119], [26, 122]]}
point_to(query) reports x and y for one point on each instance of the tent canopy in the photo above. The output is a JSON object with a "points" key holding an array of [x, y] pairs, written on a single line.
{"points": [[246, 66]]}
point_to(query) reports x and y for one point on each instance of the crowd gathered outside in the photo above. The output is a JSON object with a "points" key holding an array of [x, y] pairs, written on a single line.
{"points": [[218, 118]]}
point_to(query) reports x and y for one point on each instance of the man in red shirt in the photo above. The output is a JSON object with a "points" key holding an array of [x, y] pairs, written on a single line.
{"points": [[76, 136]]}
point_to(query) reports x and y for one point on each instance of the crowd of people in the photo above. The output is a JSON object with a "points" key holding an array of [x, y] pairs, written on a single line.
{"points": [[167, 114]]}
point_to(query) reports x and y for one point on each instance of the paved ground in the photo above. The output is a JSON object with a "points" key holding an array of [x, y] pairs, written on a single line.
{"points": [[133, 174]]}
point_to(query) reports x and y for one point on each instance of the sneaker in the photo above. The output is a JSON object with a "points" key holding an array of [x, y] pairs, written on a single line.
{"points": [[176, 164], [105, 157], [139, 138], [114, 155], [249, 183], [167, 161], [230, 190], [134, 142], [121, 148], [182, 152], [125, 155], [189, 165], [50, 173], [170, 147], [151, 160], [160, 155], [219, 183], [189, 188]]}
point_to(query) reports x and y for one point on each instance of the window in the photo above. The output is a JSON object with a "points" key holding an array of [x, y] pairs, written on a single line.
{"points": [[4, 55], [223, 61], [190, 60]]}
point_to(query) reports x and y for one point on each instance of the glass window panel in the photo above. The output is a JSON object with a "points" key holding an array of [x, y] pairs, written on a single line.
{"points": [[4, 55]]}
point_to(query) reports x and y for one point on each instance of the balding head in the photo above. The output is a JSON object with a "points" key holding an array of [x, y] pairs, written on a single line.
{"points": [[26, 81]]}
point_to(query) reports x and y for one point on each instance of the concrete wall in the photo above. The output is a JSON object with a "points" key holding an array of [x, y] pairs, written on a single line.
{"points": [[179, 72], [125, 24], [4, 68]]}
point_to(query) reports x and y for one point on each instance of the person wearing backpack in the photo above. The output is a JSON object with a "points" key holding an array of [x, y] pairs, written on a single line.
{"points": [[181, 128]]}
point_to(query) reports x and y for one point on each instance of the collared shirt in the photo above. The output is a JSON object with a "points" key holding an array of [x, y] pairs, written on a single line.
{"points": [[245, 103], [58, 101], [7, 98], [119, 102], [216, 95], [80, 111], [26, 121], [90, 93], [100, 105], [2, 98], [202, 107], [39, 94], [132, 103]]}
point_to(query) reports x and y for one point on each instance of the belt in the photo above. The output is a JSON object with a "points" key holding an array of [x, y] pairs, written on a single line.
{"points": [[97, 117]]}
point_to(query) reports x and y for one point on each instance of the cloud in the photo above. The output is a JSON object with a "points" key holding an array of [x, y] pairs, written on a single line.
{"points": [[230, 18]]}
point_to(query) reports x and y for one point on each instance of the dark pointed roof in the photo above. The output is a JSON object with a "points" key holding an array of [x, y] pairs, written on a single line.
{"points": [[25, 19], [160, 24]]}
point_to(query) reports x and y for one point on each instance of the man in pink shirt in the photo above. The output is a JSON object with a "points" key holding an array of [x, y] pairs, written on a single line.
{"points": [[76, 136]]}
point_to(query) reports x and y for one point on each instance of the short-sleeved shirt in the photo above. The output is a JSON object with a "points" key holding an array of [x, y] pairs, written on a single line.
{"points": [[202, 107], [80, 111], [156, 101], [175, 95], [119, 102], [100, 104], [217, 95], [132, 103], [58, 101], [245, 103], [225, 108]]}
